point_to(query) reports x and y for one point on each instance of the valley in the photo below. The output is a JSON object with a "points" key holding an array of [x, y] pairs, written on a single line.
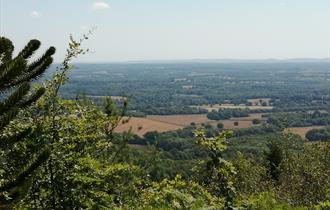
{"points": [[167, 97]]}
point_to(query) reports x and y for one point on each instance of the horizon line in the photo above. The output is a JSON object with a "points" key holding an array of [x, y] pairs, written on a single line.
{"points": [[210, 60]]}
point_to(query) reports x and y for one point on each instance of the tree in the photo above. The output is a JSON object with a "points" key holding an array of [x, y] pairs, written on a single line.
{"points": [[208, 126], [250, 176], [16, 75], [264, 103], [319, 134], [256, 121], [110, 108], [216, 173], [58, 129], [220, 126], [304, 178], [274, 158], [151, 137]]}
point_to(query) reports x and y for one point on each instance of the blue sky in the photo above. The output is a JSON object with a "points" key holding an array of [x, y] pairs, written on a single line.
{"points": [[174, 29]]}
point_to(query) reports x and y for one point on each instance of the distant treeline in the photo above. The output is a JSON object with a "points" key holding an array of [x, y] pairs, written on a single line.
{"points": [[225, 114], [299, 119]]}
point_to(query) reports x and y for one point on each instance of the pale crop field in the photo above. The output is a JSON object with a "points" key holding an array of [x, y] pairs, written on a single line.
{"points": [[140, 126], [302, 131], [181, 120], [163, 123]]}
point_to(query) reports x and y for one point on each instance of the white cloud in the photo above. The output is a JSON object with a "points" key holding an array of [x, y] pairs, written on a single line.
{"points": [[35, 14], [100, 5]]}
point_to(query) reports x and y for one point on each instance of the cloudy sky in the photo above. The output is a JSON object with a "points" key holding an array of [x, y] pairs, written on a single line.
{"points": [[174, 29]]}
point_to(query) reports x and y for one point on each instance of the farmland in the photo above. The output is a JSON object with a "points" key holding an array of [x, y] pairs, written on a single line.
{"points": [[182, 88], [163, 123], [182, 120], [170, 96], [140, 126]]}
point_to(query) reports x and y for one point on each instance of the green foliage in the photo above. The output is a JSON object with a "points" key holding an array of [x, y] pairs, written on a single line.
{"points": [[256, 121], [305, 176], [220, 125], [110, 107], [256, 130], [106, 185], [224, 114], [267, 200], [16, 75], [299, 119], [324, 205], [319, 134], [274, 158], [178, 194], [54, 186], [65, 126], [215, 173], [251, 177]]}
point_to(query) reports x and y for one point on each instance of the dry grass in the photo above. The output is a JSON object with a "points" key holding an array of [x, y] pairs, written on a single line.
{"points": [[301, 131], [140, 126], [180, 120]]}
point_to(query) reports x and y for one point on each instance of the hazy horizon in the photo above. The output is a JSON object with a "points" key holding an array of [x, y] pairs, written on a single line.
{"points": [[210, 60]]}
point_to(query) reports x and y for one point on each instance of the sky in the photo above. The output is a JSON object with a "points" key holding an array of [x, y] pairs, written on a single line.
{"points": [[128, 30]]}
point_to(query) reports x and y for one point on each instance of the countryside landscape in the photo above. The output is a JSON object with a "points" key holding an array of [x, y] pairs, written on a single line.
{"points": [[169, 97], [165, 105]]}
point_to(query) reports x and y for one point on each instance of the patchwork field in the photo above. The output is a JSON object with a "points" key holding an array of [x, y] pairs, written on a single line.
{"points": [[301, 131], [163, 123]]}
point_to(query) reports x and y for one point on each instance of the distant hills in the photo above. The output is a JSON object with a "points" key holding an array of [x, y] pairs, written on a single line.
{"points": [[293, 60]]}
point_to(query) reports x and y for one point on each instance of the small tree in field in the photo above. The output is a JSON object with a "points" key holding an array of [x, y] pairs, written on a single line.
{"points": [[256, 121], [16, 75], [220, 126]]}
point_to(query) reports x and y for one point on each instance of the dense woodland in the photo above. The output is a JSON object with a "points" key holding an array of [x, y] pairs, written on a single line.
{"points": [[59, 151]]}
